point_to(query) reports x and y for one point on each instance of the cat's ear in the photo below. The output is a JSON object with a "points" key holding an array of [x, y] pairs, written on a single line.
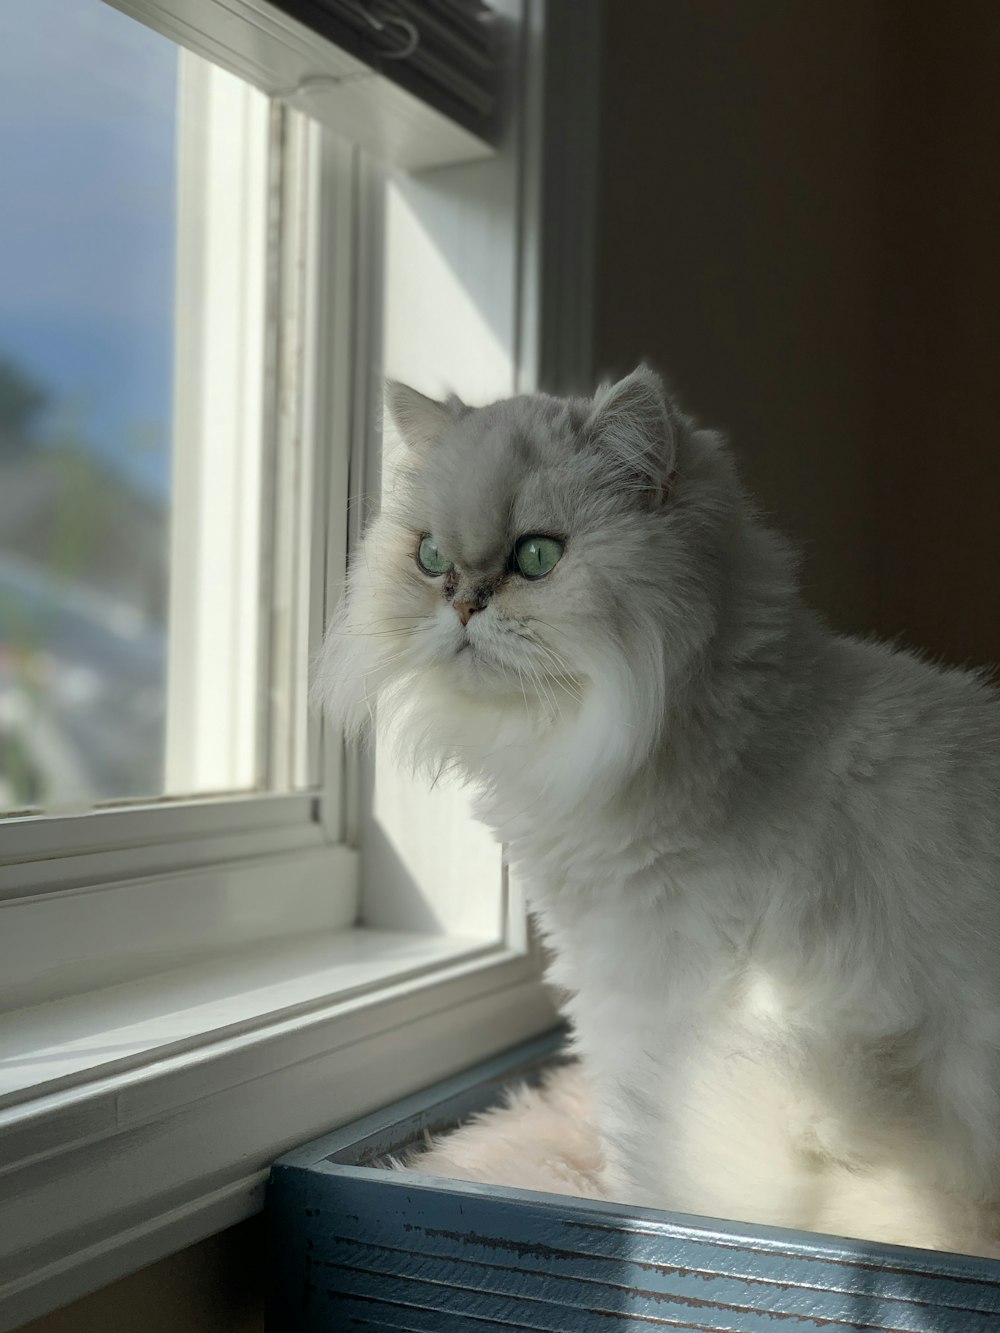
{"points": [[637, 425], [421, 421]]}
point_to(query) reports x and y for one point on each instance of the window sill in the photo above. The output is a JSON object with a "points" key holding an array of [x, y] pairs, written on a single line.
{"points": [[81, 1039], [142, 1117]]}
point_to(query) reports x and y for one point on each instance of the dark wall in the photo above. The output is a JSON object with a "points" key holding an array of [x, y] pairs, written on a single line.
{"points": [[215, 1286], [799, 210], [939, 373]]}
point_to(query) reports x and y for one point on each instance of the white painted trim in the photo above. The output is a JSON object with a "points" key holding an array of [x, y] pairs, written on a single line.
{"points": [[362, 399], [298, 437], [284, 58], [181, 1148], [94, 1035], [57, 946], [214, 672], [139, 823], [50, 855]]}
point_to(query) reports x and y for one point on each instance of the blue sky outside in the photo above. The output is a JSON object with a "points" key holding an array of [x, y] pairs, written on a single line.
{"points": [[87, 224]]}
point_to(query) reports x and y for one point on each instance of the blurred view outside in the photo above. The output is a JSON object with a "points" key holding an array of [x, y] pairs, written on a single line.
{"points": [[103, 134], [87, 161]]}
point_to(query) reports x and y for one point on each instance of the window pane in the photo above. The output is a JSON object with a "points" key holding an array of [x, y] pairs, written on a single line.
{"points": [[111, 432]]}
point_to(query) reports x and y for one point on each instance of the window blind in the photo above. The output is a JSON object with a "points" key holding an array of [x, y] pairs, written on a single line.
{"points": [[444, 52]]}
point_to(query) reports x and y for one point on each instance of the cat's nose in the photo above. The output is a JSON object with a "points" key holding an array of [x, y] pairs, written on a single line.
{"points": [[466, 610]]}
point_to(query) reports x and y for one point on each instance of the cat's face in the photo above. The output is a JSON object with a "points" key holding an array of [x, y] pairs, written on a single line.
{"points": [[526, 564], [495, 549]]}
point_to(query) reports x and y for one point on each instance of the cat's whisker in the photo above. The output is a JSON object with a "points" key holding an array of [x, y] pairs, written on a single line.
{"points": [[537, 686], [565, 671], [374, 672], [384, 633], [563, 676], [524, 692], [382, 619], [563, 682], [545, 690], [545, 682], [502, 666]]}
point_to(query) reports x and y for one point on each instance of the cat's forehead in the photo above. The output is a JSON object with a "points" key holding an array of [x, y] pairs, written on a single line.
{"points": [[515, 436], [496, 475]]}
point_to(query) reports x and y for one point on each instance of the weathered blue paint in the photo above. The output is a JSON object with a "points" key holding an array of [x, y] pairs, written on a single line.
{"points": [[358, 1247]]}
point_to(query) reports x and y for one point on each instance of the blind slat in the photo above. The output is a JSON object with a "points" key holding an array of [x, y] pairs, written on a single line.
{"points": [[454, 58]]}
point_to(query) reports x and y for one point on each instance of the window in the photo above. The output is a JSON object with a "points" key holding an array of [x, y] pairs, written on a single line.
{"points": [[87, 244], [154, 635], [219, 933]]}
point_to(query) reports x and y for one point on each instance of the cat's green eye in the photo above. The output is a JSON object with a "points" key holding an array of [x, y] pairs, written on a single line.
{"points": [[430, 559], [537, 556]]}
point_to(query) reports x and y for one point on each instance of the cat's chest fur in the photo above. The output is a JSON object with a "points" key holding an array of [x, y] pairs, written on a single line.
{"points": [[661, 942], [644, 962], [647, 934], [700, 1047]]}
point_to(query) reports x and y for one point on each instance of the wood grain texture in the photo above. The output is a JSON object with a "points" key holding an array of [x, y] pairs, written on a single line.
{"points": [[357, 1247], [423, 1247]]}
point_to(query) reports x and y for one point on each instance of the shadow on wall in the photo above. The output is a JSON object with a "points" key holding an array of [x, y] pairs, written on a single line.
{"points": [[799, 210], [216, 1286]]}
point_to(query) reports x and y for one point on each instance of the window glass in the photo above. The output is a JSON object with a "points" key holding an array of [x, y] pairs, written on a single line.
{"points": [[106, 141]]}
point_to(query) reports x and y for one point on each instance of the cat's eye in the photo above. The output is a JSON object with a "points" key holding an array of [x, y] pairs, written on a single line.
{"points": [[537, 556], [430, 559]]}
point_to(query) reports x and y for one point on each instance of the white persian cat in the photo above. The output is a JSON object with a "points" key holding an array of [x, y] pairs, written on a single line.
{"points": [[767, 857]]}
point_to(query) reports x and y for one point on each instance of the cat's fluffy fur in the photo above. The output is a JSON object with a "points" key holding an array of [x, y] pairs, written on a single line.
{"points": [[767, 856]]}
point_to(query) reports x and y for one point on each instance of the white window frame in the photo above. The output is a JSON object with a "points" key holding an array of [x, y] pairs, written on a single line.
{"points": [[110, 1170], [215, 737]]}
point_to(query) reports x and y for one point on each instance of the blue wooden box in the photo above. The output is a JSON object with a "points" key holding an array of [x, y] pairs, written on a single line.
{"points": [[355, 1246]]}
